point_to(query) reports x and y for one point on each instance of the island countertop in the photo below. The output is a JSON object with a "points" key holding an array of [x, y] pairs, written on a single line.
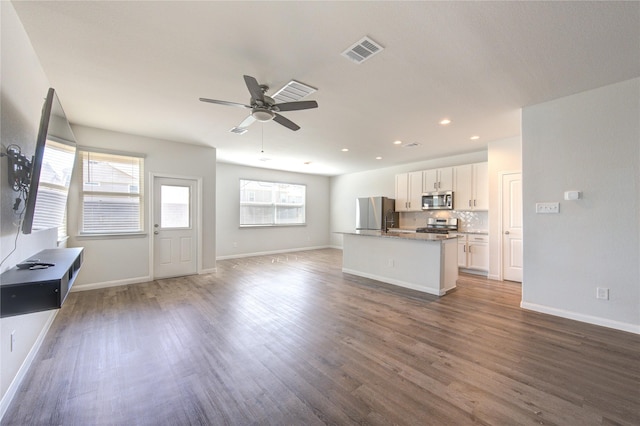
{"points": [[419, 236]]}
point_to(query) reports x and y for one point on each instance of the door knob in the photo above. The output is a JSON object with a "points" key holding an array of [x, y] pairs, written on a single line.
{"points": [[506, 232], [155, 232]]}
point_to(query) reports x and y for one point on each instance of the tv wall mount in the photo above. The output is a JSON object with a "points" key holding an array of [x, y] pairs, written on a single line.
{"points": [[19, 168]]}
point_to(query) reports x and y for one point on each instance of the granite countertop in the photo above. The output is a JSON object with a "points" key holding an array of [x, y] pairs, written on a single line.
{"points": [[402, 235], [459, 231]]}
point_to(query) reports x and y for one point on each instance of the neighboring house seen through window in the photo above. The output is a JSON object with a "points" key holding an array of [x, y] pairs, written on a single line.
{"points": [[271, 203], [112, 199]]}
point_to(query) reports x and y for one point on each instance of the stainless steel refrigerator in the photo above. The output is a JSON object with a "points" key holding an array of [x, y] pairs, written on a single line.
{"points": [[376, 213]]}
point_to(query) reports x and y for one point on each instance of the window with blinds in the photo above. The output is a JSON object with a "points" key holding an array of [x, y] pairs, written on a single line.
{"points": [[112, 199], [53, 187], [271, 203]]}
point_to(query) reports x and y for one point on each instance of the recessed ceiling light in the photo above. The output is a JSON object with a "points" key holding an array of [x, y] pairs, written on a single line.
{"points": [[445, 121], [397, 142], [474, 137], [345, 149], [378, 158]]}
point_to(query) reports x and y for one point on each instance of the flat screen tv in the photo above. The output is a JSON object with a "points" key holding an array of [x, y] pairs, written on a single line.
{"points": [[52, 166]]}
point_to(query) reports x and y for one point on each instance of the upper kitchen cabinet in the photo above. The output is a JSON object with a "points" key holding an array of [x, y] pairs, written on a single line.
{"points": [[409, 192], [438, 180], [471, 189]]}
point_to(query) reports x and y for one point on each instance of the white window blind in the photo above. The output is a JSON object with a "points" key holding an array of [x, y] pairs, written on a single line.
{"points": [[271, 203], [53, 187], [112, 199]]}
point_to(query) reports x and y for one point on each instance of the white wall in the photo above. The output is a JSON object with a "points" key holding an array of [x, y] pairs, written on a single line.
{"points": [[504, 156], [234, 241], [121, 260], [346, 188], [23, 89], [588, 142]]}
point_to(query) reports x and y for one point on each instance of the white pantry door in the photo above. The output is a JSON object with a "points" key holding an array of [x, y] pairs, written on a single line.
{"points": [[175, 232], [512, 227]]}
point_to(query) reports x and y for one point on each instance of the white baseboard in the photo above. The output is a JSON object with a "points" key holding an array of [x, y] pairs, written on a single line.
{"points": [[474, 272], [429, 290], [115, 283], [17, 380], [208, 271], [604, 322], [267, 253]]}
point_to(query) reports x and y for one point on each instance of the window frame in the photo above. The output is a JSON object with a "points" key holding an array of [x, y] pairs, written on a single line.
{"points": [[44, 186], [273, 203], [140, 196]]}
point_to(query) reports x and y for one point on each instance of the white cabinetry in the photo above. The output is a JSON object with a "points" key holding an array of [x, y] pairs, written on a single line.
{"points": [[409, 192], [473, 252], [438, 180], [462, 250], [471, 187]]}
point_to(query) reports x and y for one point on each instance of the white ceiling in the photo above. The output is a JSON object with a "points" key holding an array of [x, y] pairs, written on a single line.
{"points": [[140, 67]]}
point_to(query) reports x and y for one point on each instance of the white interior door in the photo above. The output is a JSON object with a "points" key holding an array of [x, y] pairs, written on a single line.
{"points": [[175, 232], [512, 227]]}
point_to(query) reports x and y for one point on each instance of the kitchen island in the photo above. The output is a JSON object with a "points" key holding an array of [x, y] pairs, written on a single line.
{"points": [[423, 262]]}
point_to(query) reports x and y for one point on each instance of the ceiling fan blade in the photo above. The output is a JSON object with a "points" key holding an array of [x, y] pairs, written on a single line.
{"points": [[286, 122], [295, 106], [214, 101], [246, 122], [254, 88]]}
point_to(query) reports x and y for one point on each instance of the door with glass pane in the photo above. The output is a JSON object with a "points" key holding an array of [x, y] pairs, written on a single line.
{"points": [[175, 231]]}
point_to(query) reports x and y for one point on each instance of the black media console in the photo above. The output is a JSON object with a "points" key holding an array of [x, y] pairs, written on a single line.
{"points": [[23, 291]]}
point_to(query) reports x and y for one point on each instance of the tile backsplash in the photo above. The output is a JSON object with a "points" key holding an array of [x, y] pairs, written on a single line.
{"points": [[467, 221]]}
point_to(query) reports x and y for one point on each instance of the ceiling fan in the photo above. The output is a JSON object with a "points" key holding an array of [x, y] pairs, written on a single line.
{"points": [[264, 108]]}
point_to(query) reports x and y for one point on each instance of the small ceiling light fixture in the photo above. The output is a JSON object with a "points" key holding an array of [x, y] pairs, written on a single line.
{"points": [[345, 149], [445, 121], [474, 137], [397, 142], [378, 158]]}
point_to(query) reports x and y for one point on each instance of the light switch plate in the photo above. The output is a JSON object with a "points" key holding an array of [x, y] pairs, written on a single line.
{"points": [[547, 208]]}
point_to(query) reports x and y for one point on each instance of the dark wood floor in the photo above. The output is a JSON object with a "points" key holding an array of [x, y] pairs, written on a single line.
{"points": [[292, 340]]}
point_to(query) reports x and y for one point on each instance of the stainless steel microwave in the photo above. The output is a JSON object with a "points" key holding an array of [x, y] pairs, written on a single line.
{"points": [[437, 200]]}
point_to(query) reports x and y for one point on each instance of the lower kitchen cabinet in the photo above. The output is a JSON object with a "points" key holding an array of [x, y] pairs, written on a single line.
{"points": [[473, 252]]}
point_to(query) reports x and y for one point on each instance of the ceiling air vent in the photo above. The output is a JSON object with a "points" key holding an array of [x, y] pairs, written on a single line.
{"points": [[362, 50], [239, 130], [411, 145], [293, 91]]}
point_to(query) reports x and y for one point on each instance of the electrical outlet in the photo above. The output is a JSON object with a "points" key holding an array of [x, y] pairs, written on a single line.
{"points": [[602, 293], [390, 263], [235, 244], [547, 208], [13, 340]]}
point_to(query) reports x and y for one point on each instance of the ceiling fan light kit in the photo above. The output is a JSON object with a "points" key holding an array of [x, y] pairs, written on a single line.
{"points": [[263, 114], [264, 108]]}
